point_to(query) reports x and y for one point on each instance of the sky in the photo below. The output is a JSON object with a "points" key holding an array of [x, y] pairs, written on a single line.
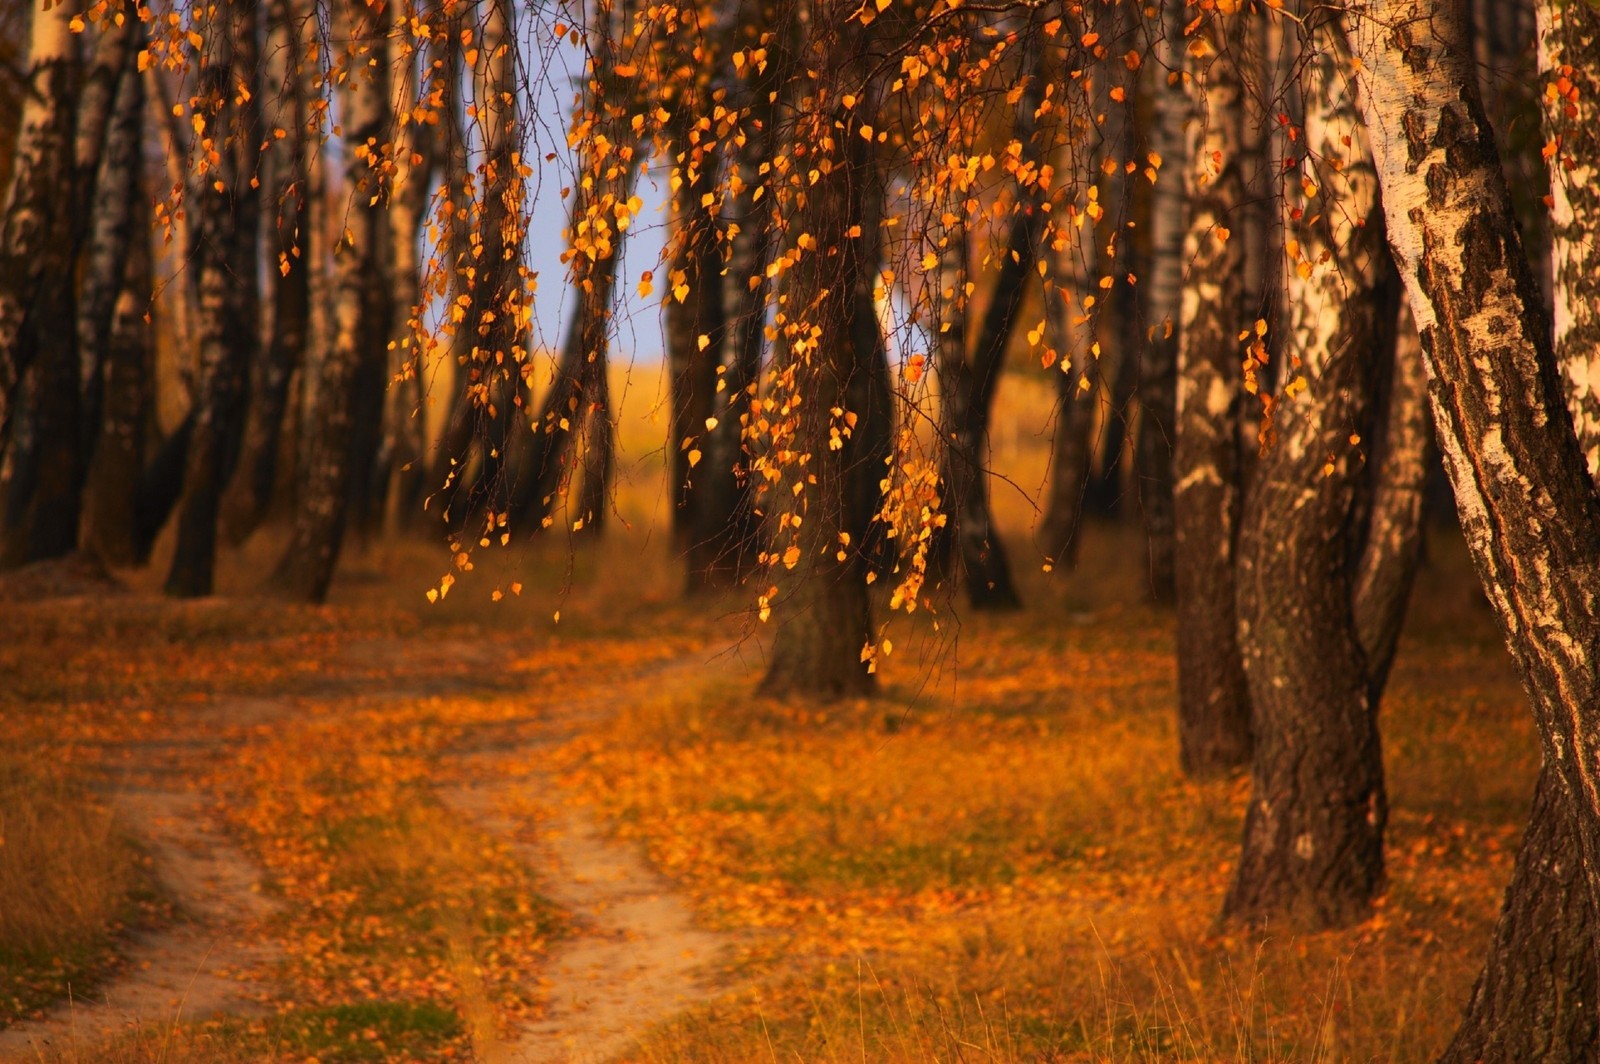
{"points": [[552, 75]]}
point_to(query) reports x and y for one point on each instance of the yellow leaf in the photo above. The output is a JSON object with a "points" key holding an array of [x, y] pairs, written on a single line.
{"points": [[791, 557], [694, 458]]}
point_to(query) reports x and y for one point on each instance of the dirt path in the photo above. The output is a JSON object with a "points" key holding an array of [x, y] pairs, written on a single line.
{"points": [[200, 966], [638, 958]]}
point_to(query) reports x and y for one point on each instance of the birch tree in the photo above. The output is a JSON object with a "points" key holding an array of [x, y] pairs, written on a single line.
{"points": [[1313, 836], [970, 363], [724, 535], [696, 261], [223, 197], [1162, 291], [1214, 706], [1073, 292], [1527, 504], [111, 330], [290, 80], [824, 626], [574, 415], [414, 76], [1569, 54], [1538, 996], [360, 316], [38, 355]]}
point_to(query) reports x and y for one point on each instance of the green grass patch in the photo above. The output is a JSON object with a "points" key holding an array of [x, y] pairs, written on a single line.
{"points": [[372, 1030]]}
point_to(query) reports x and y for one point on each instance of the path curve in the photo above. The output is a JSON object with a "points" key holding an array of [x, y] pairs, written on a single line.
{"points": [[200, 966], [639, 958]]}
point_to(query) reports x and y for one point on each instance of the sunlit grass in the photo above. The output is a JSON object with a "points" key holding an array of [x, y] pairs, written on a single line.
{"points": [[67, 884], [1003, 863], [997, 859]]}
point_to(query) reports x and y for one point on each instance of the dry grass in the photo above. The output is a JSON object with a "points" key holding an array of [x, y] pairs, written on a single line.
{"points": [[995, 861], [166, 1046], [998, 860], [66, 876]]}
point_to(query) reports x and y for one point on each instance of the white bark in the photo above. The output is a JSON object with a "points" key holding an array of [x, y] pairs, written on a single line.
{"points": [[1569, 42], [41, 167], [1527, 506]]}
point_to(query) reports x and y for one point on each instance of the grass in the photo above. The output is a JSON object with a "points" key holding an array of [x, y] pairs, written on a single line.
{"points": [[347, 1034], [68, 880], [996, 860]]}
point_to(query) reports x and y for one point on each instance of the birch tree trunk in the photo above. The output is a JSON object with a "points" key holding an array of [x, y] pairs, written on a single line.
{"points": [[112, 333], [1402, 454], [40, 518], [563, 425], [398, 471], [1213, 700], [116, 186], [1070, 330], [451, 454], [1569, 53], [696, 262], [1528, 509], [870, 445], [725, 538], [968, 382], [968, 407], [1118, 255], [112, 495], [608, 165], [360, 320], [1169, 209], [227, 209], [493, 358], [98, 106], [822, 607], [948, 302], [1070, 320], [1313, 833], [285, 174], [1538, 997]]}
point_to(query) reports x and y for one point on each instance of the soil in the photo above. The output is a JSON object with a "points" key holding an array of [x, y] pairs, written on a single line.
{"points": [[636, 957]]}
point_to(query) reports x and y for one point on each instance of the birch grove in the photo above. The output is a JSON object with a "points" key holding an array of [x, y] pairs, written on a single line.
{"points": [[897, 322]]}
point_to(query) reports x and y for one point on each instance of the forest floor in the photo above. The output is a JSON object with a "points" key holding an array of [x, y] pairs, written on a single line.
{"points": [[384, 830], [548, 818]]}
